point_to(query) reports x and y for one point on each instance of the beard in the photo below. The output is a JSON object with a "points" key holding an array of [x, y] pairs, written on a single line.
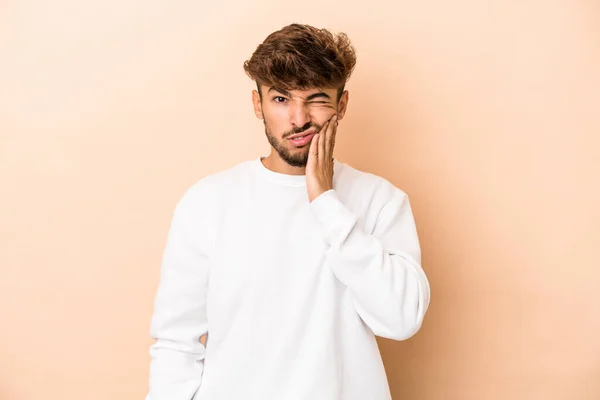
{"points": [[296, 157]]}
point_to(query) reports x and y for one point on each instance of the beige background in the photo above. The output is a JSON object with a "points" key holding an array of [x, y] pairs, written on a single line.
{"points": [[485, 112]]}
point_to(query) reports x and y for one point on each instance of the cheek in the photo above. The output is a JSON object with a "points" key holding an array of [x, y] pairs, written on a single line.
{"points": [[321, 114], [277, 123]]}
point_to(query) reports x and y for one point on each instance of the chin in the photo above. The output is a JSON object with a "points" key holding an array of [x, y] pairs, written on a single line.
{"points": [[299, 162]]}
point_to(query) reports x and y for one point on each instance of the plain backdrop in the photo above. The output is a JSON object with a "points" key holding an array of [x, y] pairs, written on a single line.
{"points": [[485, 112]]}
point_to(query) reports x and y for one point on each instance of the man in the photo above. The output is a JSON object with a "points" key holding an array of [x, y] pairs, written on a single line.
{"points": [[290, 263]]}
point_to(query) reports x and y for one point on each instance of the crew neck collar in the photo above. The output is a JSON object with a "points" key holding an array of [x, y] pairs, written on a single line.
{"points": [[278, 177]]}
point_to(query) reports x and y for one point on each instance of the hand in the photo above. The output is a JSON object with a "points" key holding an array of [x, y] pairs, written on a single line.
{"points": [[319, 168]]}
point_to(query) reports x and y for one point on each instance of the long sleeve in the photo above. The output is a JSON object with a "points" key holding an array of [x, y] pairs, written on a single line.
{"points": [[179, 319], [382, 269]]}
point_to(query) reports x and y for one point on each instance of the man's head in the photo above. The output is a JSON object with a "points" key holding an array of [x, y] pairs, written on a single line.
{"points": [[300, 73]]}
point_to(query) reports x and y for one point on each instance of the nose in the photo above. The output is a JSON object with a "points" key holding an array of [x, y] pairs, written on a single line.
{"points": [[299, 116]]}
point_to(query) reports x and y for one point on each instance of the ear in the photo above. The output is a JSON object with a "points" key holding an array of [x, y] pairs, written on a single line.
{"points": [[342, 105], [257, 105]]}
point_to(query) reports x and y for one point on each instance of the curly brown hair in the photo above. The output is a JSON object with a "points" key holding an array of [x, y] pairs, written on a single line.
{"points": [[301, 57]]}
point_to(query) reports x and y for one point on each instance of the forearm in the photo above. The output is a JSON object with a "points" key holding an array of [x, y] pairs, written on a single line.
{"points": [[390, 291], [381, 270], [175, 370]]}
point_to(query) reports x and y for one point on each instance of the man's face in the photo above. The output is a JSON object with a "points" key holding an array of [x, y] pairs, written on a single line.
{"points": [[286, 113]]}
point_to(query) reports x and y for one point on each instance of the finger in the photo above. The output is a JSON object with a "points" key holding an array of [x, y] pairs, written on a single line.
{"points": [[334, 136], [330, 137], [321, 147], [324, 127], [313, 151], [322, 139]]}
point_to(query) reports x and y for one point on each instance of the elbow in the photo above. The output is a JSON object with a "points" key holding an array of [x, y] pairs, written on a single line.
{"points": [[402, 327], [404, 333], [406, 319], [397, 311], [396, 322]]}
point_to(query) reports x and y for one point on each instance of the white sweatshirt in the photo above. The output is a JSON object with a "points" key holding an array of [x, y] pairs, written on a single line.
{"points": [[291, 293]]}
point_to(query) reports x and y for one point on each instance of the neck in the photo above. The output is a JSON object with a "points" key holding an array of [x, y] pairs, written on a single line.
{"points": [[276, 164]]}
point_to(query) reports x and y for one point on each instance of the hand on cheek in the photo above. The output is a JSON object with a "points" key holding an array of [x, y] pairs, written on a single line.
{"points": [[319, 168]]}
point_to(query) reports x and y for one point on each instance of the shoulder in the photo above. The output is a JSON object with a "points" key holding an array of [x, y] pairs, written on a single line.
{"points": [[375, 188], [206, 191]]}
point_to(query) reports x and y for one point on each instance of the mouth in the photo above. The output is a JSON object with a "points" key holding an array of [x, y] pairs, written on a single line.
{"points": [[310, 131], [303, 138]]}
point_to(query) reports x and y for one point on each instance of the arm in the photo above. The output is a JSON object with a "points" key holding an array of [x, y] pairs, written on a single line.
{"points": [[177, 357], [382, 270]]}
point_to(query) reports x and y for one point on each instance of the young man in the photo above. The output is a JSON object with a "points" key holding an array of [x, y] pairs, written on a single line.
{"points": [[290, 263]]}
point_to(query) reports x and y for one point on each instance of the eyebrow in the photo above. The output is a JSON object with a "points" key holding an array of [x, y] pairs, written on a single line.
{"points": [[316, 95], [309, 98], [282, 91]]}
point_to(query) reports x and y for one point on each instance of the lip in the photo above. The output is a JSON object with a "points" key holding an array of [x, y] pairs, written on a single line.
{"points": [[310, 131], [302, 140]]}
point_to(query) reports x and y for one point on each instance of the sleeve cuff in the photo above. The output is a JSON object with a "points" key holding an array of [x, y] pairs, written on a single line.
{"points": [[333, 217]]}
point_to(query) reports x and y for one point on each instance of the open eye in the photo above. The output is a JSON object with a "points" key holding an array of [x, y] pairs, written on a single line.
{"points": [[279, 99]]}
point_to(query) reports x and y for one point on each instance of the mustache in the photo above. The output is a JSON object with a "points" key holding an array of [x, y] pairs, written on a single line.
{"points": [[306, 126]]}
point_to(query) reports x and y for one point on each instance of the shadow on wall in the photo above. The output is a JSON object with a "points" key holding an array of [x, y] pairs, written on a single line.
{"points": [[390, 139]]}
